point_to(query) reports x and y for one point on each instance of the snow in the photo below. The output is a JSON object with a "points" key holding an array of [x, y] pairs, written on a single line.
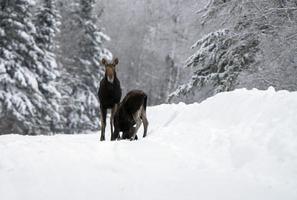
{"points": [[26, 78], [52, 90], [2, 32], [18, 103], [24, 35], [2, 67], [102, 36], [33, 2], [208, 39], [235, 145]]}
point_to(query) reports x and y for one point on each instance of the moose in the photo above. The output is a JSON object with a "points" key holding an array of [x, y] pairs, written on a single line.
{"points": [[129, 115], [109, 94]]}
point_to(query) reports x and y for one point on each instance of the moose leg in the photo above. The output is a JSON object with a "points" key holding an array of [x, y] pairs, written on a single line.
{"points": [[115, 135], [135, 129], [103, 113], [131, 134], [145, 122], [137, 119], [113, 110]]}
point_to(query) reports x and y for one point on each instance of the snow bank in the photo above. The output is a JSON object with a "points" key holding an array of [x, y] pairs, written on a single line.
{"points": [[235, 145]]}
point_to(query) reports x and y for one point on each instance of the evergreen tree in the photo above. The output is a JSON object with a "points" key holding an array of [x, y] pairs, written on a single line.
{"points": [[83, 70], [24, 77], [252, 47], [47, 21], [91, 51], [220, 57]]}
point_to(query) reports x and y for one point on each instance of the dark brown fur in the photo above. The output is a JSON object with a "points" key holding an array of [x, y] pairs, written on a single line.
{"points": [[109, 95], [130, 114]]}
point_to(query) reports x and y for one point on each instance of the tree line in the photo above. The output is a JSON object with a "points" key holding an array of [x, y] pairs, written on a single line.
{"points": [[38, 93]]}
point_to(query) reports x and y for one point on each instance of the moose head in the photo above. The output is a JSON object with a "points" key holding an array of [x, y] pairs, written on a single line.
{"points": [[110, 69]]}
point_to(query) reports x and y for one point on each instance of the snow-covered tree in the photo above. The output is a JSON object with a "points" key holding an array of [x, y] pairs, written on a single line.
{"points": [[220, 57], [83, 70], [24, 76], [249, 44], [91, 49], [47, 22]]}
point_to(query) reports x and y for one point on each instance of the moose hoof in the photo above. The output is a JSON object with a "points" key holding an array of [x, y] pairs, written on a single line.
{"points": [[134, 138]]}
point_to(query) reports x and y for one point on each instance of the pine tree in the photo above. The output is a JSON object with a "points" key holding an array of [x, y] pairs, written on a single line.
{"points": [[47, 21], [221, 55], [251, 46], [91, 51], [84, 71], [24, 106]]}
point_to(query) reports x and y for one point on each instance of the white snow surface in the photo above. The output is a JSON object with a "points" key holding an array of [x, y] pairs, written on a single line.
{"points": [[235, 145]]}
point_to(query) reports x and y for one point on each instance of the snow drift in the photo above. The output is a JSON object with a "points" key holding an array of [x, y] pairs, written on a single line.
{"points": [[235, 145]]}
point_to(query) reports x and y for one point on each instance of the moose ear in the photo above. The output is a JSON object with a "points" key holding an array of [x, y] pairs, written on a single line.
{"points": [[104, 62], [116, 61]]}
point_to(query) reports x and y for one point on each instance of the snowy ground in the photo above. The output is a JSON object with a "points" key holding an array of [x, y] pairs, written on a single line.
{"points": [[237, 145]]}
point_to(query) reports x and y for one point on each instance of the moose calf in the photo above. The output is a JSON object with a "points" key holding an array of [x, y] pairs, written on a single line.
{"points": [[109, 94], [130, 113]]}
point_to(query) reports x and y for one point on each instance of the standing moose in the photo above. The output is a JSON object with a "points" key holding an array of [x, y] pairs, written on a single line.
{"points": [[109, 94]]}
